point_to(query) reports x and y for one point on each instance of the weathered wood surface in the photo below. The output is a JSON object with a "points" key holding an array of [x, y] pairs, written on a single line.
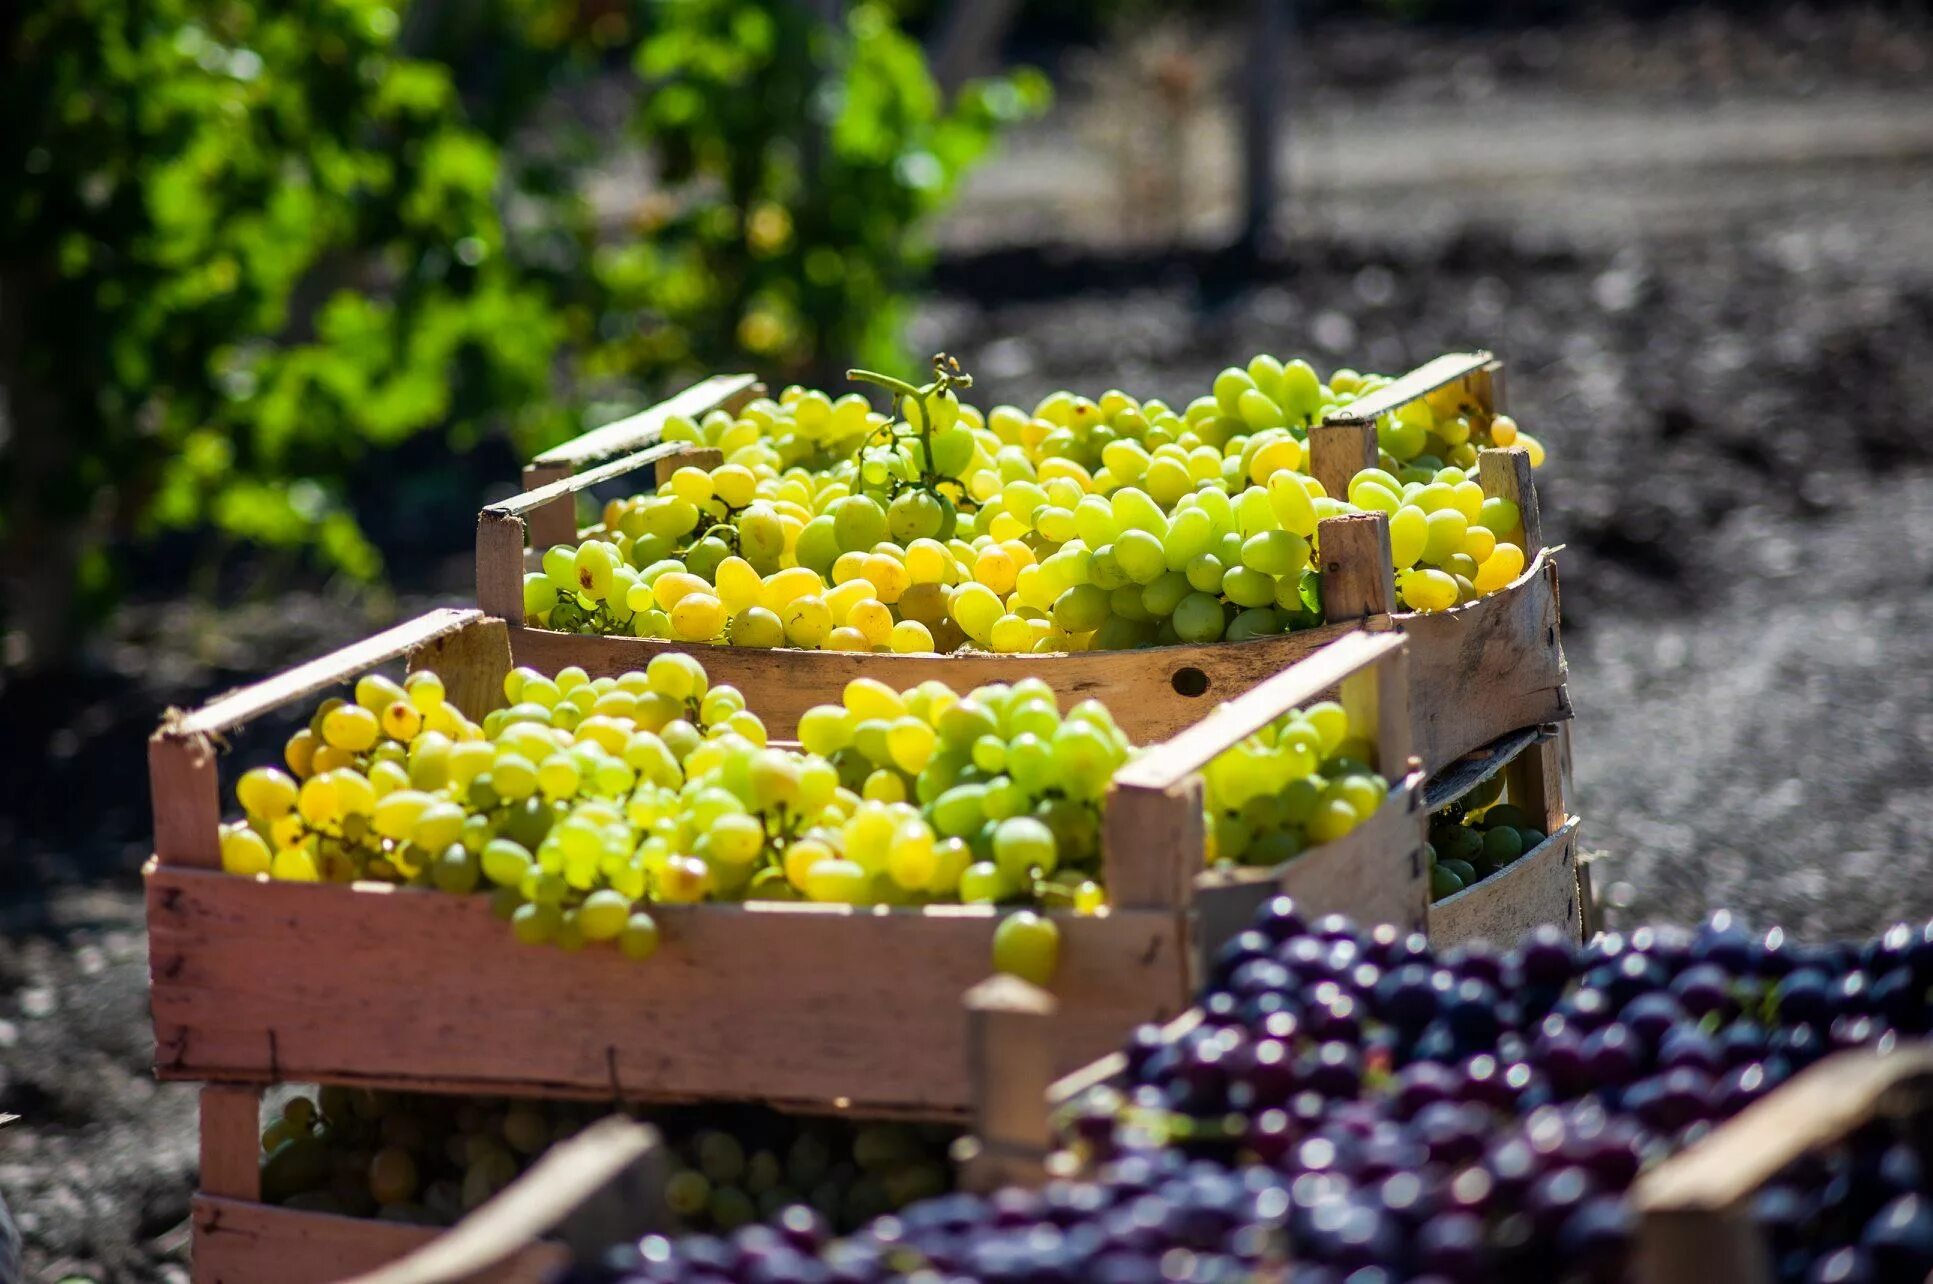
{"points": [[1140, 688], [1469, 373], [231, 1141], [646, 428], [1010, 1050], [1479, 765], [236, 1242], [1376, 873], [1486, 669], [1693, 1210], [1538, 887], [259, 981]]}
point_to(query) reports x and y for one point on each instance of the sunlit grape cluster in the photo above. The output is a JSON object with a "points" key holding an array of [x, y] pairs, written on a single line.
{"points": [[1082, 525], [582, 802], [1301, 781]]}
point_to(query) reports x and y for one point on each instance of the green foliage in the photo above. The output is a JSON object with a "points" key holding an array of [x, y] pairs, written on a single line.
{"points": [[247, 247], [802, 161]]}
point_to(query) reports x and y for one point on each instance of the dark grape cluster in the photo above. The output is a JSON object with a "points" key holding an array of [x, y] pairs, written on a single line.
{"points": [[1381, 1112]]}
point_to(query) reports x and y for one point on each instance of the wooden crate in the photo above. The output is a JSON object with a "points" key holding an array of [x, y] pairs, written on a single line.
{"points": [[1547, 884], [1477, 672], [792, 1004], [604, 1185], [1694, 1223]]}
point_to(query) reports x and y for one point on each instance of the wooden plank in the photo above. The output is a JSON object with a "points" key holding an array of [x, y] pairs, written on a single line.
{"points": [[1694, 1223], [231, 1141], [500, 568], [646, 428], [472, 663], [555, 522], [1010, 1053], [1166, 764], [564, 487], [1338, 451], [1143, 689], [1479, 765], [1450, 368], [1152, 842], [237, 707], [259, 981], [1375, 874], [236, 1242], [602, 1187], [1506, 474], [1538, 887], [1488, 668], [1358, 579], [1535, 782], [185, 789]]}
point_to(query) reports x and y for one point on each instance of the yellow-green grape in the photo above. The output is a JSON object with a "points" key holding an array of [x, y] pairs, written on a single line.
{"points": [[243, 851], [265, 793], [1426, 589], [1027, 945]]}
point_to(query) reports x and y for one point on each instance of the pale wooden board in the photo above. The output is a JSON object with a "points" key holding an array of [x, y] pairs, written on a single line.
{"points": [[1694, 1223], [1486, 669], [1539, 887], [647, 426], [1375, 874], [1436, 373], [1136, 686], [236, 1242], [231, 1141], [417, 989]]}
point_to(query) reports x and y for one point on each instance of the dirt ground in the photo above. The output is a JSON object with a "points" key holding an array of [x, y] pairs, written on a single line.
{"points": [[1736, 401]]}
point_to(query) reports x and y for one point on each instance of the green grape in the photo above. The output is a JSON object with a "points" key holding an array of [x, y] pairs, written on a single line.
{"points": [[1027, 945]]}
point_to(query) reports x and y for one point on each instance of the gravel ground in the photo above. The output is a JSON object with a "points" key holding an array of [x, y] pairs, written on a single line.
{"points": [[1742, 476]]}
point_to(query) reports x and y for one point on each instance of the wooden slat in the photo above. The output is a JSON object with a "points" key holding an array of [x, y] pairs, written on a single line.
{"points": [[645, 428], [1538, 887], [1164, 765], [236, 1242], [1535, 782], [1152, 843], [500, 568], [471, 662], [1694, 1223], [602, 1187], [232, 710], [1488, 668], [564, 487], [256, 981], [185, 790], [1338, 451], [231, 1141], [1138, 687], [1506, 474], [1357, 577], [1375, 874], [1378, 699], [1010, 1052], [1447, 369], [555, 522], [1477, 766]]}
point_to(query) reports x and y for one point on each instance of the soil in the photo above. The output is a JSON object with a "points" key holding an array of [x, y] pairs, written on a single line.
{"points": [[1741, 475]]}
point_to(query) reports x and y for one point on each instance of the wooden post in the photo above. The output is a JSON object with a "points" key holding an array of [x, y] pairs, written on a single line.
{"points": [[500, 566], [1263, 74], [1340, 450], [231, 1141], [1535, 782], [1358, 579], [1506, 474], [186, 797], [1151, 842], [1010, 1062], [1377, 702], [472, 663]]}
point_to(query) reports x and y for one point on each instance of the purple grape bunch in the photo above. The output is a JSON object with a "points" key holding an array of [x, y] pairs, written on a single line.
{"points": [[1379, 1112]]}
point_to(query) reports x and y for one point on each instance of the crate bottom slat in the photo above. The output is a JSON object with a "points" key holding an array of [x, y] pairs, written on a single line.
{"points": [[238, 1242]]}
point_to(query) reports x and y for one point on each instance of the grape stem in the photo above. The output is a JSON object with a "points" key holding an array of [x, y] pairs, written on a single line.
{"points": [[947, 376]]}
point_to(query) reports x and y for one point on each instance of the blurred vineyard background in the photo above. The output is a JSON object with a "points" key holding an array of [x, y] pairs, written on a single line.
{"points": [[287, 290]]}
